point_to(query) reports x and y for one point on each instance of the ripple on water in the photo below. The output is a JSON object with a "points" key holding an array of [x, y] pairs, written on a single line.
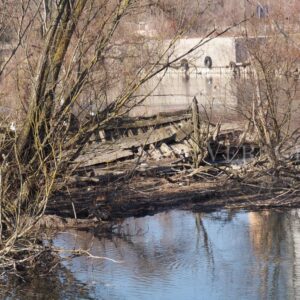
{"points": [[182, 255]]}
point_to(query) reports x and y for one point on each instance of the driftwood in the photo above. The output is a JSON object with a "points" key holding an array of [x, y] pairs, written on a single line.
{"points": [[125, 147], [156, 143], [147, 122], [100, 157], [56, 222]]}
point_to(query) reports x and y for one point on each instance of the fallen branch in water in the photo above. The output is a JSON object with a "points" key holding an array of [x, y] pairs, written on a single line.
{"points": [[81, 252]]}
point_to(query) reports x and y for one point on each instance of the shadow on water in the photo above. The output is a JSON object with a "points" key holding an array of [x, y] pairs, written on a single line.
{"points": [[181, 255], [60, 284]]}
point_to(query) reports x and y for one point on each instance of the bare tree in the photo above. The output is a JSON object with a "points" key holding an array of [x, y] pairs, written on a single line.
{"points": [[77, 74], [268, 96]]}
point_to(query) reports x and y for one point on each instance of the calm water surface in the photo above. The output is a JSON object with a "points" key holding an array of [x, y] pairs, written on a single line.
{"points": [[184, 255], [179, 255]]}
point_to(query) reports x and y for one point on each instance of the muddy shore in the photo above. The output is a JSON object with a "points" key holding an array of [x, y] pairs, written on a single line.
{"points": [[142, 166], [140, 196]]}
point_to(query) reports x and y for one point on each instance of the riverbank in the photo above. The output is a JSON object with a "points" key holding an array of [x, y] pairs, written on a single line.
{"points": [[141, 196], [141, 166]]}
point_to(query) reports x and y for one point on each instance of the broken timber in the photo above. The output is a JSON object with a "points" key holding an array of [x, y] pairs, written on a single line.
{"points": [[163, 136], [154, 149], [127, 146]]}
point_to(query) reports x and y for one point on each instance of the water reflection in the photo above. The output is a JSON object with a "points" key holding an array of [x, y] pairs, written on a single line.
{"points": [[184, 255], [57, 285], [270, 240]]}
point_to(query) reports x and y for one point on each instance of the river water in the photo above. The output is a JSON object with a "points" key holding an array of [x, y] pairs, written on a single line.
{"points": [[180, 255]]}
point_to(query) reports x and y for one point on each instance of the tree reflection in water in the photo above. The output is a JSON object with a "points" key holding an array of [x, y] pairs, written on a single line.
{"points": [[202, 235], [179, 255], [271, 238], [57, 284]]}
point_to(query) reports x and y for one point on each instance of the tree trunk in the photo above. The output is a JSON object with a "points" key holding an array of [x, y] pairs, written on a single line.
{"points": [[43, 96]]}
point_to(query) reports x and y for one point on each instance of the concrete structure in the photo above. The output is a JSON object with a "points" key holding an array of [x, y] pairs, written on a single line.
{"points": [[214, 86], [222, 51]]}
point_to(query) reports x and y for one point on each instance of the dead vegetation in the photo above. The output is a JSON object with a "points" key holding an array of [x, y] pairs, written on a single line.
{"points": [[79, 75], [73, 70]]}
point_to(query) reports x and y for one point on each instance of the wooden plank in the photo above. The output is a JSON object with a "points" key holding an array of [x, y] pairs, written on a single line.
{"points": [[130, 133], [97, 152], [230, 127], [109, 152], [154, 153], [153, 137], [102, 135], [112, 151], [167, 151], [177, 148], [140, 131], [86, 161], [184, 131], [175, 113], [159, 120]]}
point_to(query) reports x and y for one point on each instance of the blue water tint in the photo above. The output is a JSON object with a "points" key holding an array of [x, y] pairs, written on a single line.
{"points": [[185, 255]]}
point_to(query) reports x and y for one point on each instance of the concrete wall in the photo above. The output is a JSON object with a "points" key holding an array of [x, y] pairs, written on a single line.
{"points": [[221, 50], [212, 87], [176, 92]]}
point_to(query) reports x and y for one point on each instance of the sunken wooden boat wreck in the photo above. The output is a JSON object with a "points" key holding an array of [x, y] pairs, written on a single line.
{"points": [[143, 149]]}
